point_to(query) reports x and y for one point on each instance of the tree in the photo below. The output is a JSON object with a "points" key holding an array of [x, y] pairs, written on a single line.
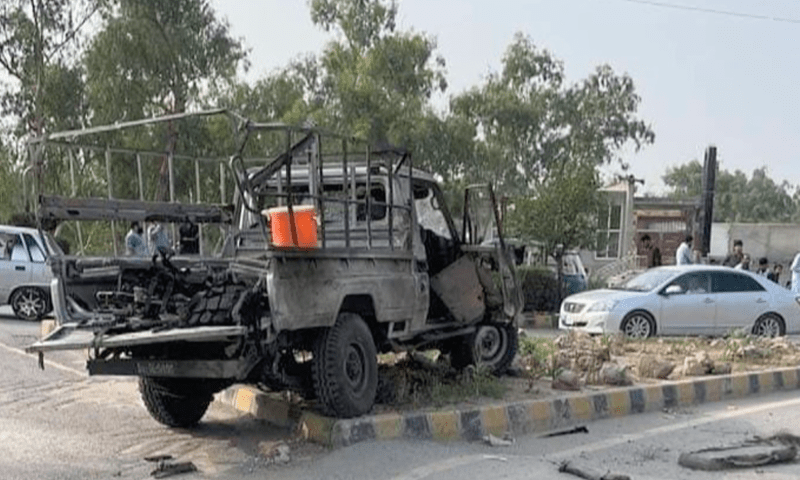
{"points": [[371, 81], [562, 213], [736, 198], [155, 57], [528, 123], [540, 142], [39, 41]]}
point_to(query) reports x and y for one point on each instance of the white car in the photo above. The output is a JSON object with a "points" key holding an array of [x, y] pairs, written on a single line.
{"points": [[24, 275], [685, 300]]}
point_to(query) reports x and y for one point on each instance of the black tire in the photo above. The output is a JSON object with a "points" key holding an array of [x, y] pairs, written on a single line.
{"points": [[638, 325], [492, 346], [213, 306], [769, 325], [175, 402], [345, 368], [30, 303]]}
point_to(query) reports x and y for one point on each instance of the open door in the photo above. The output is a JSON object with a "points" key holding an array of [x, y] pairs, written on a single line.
{"points": [[482, 232]]}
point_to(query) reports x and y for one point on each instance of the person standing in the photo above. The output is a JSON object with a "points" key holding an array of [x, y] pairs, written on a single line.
{"points": [[744, 264], [653, 253], [134, 243], [763, 267], [775, 274], [683, 256], [735, 257], [157, 238], [795, 268]]}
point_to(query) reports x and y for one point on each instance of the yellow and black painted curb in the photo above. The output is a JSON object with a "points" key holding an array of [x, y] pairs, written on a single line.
{"points": [[521, 417]]}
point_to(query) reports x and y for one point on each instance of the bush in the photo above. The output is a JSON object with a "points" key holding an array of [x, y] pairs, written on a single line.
{"points": [[540, 289]]}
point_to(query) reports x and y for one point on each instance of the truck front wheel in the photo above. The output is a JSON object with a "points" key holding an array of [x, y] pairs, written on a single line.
{"points": [[345, 367], [492, 346], [175, 402]]}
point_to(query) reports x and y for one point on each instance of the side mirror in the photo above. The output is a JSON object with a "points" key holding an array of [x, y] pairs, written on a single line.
{"points": [[672, 290]]}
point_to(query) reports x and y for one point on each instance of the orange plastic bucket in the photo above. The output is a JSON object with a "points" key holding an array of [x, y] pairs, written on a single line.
{"points": [[305, 222]]}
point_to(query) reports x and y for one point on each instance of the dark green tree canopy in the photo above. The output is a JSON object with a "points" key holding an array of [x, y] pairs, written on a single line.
{"points": [[737, 198], [155, 56], [527, 122]]}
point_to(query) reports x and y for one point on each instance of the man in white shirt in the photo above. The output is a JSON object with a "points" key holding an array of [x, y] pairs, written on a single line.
{"points": [[795, 268], [684, 254]]}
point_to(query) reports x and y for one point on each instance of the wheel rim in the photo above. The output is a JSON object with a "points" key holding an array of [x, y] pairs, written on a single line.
{"points": [[768, 327], [355, 367], [29, 303], [637, 326], [489, 343]]}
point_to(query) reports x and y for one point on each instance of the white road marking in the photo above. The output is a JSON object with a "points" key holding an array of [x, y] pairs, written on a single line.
{"points": [[49, 363]]}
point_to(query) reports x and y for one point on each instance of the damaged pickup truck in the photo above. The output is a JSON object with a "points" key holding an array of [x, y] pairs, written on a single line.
{"points": [[329, 253]]}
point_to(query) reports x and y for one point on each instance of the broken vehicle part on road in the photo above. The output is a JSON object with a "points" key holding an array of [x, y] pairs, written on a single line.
{"points": [[320, 254]]}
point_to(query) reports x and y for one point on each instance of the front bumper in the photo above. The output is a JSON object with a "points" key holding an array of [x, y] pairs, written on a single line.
{"points": [[590, 322]]}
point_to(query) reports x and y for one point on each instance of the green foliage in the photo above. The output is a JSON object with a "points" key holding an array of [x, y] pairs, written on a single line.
{"points": [[738, 198], [539, 357], [40, 45], [153, 56], [539, 289], [529, 126]]}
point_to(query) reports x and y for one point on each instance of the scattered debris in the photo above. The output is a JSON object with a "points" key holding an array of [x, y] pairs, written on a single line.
{"points": [[588, 473], [167, 469], [506, 441], [580, 429], [760, 451], [277, 453]]}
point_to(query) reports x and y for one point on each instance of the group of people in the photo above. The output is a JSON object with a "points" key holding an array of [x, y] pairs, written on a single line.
{"points": [[139, 245], [737, 259], [157, 240]]}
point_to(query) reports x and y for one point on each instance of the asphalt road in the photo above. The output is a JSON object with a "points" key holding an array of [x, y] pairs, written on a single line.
{"points": [[60, 424]]}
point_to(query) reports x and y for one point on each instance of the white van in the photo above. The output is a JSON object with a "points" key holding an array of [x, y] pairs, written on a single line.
{"points": [[24, 274]]}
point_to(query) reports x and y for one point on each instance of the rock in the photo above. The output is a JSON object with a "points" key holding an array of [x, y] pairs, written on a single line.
{"points": [[722, 369], [275, 452], [699, 364], [716, 343], [566, 380], [613, 374], [651, 366], [751, 351]]}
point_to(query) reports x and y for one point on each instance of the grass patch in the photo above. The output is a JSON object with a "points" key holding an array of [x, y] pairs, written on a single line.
{"points": [[427, 380]]}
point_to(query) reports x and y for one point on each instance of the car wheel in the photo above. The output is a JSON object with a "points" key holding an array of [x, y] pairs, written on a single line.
{"points": [[345, 367], [638, 325], [492, 346], [769, 325], [29, 303]]}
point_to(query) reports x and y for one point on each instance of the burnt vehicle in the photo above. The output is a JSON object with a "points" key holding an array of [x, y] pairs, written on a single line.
{"points": [[329, 253]]}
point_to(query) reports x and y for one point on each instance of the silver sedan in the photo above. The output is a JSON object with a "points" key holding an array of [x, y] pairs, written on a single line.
{"points": [[685, 300]]}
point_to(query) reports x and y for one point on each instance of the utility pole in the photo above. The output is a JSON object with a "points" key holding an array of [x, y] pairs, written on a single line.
{"points": [[707, 200]]}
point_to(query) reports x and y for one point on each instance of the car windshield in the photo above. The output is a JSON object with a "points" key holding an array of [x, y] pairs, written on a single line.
{"points": [[647, 280]]}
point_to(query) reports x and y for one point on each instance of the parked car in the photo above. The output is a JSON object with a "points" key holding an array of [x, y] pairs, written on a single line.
{"points": [[24, 275], [685, 300]]}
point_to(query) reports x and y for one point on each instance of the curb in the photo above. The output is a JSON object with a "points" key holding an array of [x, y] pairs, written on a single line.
{"points": [[518, 418]]}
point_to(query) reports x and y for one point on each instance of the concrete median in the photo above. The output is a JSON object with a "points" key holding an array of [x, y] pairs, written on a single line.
{"points": [[517, 418]]}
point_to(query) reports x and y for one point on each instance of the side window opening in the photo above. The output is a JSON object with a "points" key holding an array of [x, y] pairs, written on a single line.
{"points": [[34, 249]]}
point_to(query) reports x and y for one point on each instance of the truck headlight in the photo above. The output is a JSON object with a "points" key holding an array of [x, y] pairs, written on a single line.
{"points": [[602, 306]]}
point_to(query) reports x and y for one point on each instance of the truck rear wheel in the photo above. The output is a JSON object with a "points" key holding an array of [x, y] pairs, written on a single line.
{"points": [[492, 346], [345, 367], [175, 402]]}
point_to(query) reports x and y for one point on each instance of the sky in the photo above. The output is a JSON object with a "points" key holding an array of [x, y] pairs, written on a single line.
{"points": [[704, 78]]}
